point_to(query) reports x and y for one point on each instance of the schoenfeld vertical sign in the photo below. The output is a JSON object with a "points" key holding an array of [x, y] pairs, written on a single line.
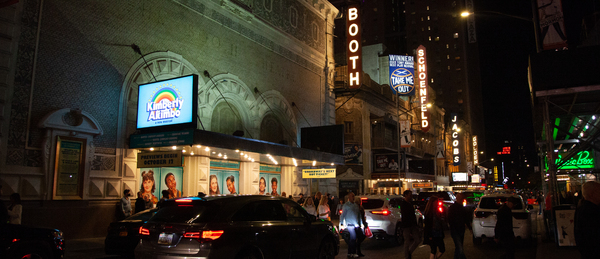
{"points": [[422, 77], [402, 70], [354, 51]]}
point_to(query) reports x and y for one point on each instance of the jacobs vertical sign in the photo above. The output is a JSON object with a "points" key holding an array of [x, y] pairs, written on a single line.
{"points": [[455, 139], [354, 51], [422, 77]]}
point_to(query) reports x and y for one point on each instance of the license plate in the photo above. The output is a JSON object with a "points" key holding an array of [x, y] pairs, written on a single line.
{"points": [[123, 233], [165, 239]]}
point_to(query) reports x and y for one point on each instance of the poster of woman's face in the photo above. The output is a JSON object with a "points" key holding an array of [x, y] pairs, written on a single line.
{"points": [[148, 184], [172, 180], [223, 182], [213, 185], [262, 185]]}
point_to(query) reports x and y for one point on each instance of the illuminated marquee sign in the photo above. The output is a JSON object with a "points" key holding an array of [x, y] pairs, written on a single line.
{"points": [[475, 155], [583, 160], [168, 102], [422, 185], [505, 151], [455, 140], [402, 70], [422, 78], [354, 51], [318, 173]]}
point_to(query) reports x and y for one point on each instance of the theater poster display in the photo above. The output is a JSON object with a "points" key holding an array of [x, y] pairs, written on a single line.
{"points": [[224, 182], [150, 184], [387, 162], [272, 184], [353, 153], [172, 181], [168, 102], [402, 75]]}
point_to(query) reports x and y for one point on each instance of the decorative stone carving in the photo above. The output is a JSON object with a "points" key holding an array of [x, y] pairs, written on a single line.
{"points": [[96, 188]]}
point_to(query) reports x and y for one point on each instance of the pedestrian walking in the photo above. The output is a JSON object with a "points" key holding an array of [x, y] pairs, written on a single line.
{"points": [[458, 218], [587, 224], [15, 210], [360, 232], [317, 198], [350, 218], [339, 207], [434, 228], [301, 200], [504, 227], [323, 209], [126, 204], [140, 204], [410, 230], [310, 207]]}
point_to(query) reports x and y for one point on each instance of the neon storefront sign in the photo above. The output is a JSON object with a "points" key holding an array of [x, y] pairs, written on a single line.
{"points": [[582, 160]]}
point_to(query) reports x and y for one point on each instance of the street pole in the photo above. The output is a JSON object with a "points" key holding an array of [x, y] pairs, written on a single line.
{"points": [[398, 148]]}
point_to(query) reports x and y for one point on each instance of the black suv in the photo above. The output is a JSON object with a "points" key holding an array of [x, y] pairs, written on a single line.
{"points": [[18, 241], [447, 197], [236, 227]]}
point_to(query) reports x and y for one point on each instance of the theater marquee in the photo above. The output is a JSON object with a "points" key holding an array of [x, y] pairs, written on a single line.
{"points": [[354, 51]]}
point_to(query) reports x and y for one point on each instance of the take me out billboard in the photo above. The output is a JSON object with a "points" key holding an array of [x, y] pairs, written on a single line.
{"points": [[168, 102]]}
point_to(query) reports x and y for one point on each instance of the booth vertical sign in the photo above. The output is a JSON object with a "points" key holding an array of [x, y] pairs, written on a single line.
{"points": [[422, 79], [455, 139], [354, 51]]}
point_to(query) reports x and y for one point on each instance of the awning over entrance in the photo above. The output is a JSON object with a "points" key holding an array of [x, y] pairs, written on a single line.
{"points": [[222, 146]]}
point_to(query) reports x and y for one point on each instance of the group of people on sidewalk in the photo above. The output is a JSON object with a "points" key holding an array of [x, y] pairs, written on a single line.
{"points": [[436, 220]]}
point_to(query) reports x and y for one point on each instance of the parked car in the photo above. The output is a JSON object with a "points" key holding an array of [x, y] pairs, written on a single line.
{"points": [[236, 226], [18, 241], [472, 199], [383, 215], [123, 236], [484, 217], [447, 196]]}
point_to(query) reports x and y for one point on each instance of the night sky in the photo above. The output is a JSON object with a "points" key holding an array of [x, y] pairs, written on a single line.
{"points": [[505, 45]]}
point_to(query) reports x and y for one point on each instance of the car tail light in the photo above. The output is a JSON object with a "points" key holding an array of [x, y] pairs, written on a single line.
{"points": [[440, 206], [381, 212], [184, 200], [521, 215], [15, 240], [202, 235], [144, 231]]}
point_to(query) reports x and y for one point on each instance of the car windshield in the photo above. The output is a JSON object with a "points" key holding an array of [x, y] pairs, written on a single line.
{"points": [[496, 202], [197, 213], [143, 215], [370, 204]]}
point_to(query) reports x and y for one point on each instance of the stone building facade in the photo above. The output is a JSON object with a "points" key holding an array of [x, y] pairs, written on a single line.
{"points": [[69, 70]]}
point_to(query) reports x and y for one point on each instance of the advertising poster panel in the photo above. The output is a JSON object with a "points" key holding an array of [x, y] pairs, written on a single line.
{"points": [[402, 75], [167, 102], [272, 184], [552, 24], [150, 184], [387, 162], [565, 227], [223, 181], [353, 153], [172, 181], [405, 138]]}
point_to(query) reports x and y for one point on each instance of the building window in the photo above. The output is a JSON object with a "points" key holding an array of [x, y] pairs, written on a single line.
{"points": [[437, 38], [429, 38], [448, 67], [421, 18], [432, 80], [429, 28], [447, 56], [428, 8], [457, 58], [348, 127], [428, 18], [456, 35], [447, 46]]}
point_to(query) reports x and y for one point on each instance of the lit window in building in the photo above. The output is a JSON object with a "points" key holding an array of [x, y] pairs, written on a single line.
{"points": [[428, 8], [457, 58], [429, 38], [448, 67], [447, 46], [437, 38], [460, 101], [429, 28], [458, 69], [428, 18], [422, 29], [432, 83], [421, 18], [456, 35], [447, 56]]}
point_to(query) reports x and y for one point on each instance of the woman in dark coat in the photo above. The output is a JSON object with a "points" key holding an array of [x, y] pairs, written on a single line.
{"points": [[434, 228]]}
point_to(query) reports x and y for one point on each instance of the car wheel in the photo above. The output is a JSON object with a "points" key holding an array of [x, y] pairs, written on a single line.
{"points": [[327, 250], [477, 240], [398, 237]]}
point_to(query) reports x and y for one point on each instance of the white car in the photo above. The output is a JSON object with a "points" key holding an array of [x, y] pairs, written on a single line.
{"points": [[383, 215], [484, 217]]}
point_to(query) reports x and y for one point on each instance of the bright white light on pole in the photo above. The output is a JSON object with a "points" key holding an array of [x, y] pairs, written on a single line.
{"points": [[465, 14]]}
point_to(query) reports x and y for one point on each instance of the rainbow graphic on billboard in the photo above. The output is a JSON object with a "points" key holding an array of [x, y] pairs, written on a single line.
{"points": [[165, 104]]}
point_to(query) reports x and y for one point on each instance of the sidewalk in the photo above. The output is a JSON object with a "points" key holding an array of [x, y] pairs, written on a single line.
{"points": [[548, 249], [85, 248]]}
